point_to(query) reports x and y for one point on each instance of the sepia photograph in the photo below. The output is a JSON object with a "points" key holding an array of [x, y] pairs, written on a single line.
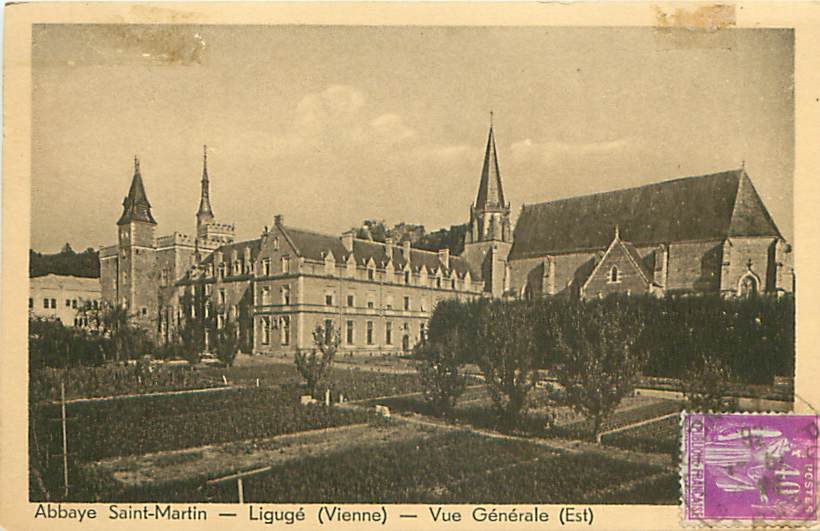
{"points": [[403, 264]]}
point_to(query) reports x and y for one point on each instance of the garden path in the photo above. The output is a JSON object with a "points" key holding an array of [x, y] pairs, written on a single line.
{"points": [[213, 461]]}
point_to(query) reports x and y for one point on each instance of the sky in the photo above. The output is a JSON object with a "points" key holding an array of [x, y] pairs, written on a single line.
{"points": [[331, 125]]}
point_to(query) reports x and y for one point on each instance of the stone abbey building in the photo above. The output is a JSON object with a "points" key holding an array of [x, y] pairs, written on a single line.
{"points": [[694, 235]]}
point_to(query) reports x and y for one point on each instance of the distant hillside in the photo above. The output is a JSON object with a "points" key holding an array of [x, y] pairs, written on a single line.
{"points": [[66, 262]]}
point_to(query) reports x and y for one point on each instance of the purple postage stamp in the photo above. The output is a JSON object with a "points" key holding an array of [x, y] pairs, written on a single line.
{"points": [[749, 468]]}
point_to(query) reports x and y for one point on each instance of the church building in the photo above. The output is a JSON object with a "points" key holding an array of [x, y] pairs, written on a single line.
{"points": [[687, 236]]}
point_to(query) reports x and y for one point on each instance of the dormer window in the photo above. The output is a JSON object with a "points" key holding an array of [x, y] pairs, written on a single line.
{"points": [[407, 277], [614, 275]]}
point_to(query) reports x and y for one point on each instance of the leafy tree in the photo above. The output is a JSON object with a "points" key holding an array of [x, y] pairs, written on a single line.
{"points": [[452, 238], [598, 362], [226, 342], [66, 262], [314, 365], [192, 326], [440, 368], [507, 355], [706, 383]]}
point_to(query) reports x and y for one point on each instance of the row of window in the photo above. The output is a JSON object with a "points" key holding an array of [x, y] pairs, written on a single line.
{"points": [[283, 323], [240, 266], [405, 276], [52, 303]]}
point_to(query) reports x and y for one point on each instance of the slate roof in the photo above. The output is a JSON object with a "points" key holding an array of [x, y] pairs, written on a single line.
{"points": [[490, 191], [706, 207], [314, 246], [637, 259], [239, 247], [135, 206]]}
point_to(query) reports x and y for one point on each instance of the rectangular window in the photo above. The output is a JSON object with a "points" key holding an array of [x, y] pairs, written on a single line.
{"points": [[328, 299], [208, 289], [265, 330], [371, 274], [45, 303], [369, 332], [422, 332], [30, 302], [221, 298], [266, 267], [54, 303], [68, 303], [349, 333], [286, 295], [407, 277], [265, 295], [220, 321], [388, 333], [221, 270], [406, 302], [74, 303], [285, 332], [350, 300], [285, 264]]}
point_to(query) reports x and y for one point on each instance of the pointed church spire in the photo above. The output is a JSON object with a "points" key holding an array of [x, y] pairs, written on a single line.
{"points": [[490, 192], [135, 206], [205, 214]]}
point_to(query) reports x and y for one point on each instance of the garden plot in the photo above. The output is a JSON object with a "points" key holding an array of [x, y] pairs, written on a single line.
{"points": [[456, 467], [475, 407], [661, 436], [180, 475]]}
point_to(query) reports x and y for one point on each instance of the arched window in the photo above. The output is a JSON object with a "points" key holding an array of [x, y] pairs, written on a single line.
{"points": [[748, 286], [614, 274]]}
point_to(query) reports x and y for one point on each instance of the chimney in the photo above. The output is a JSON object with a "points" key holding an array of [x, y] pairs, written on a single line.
{"points": [[388, 247], [406, 249], [347, 240], [444, 257], [279, 220]]}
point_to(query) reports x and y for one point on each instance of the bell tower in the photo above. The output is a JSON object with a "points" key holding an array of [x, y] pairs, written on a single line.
{"points": [[489, 235]]}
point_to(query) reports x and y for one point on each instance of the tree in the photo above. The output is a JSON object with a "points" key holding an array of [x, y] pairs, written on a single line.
{"points": [[507, 355], [226, 342], [440, 369], [314, 365], [598, 362], [705, 384]]}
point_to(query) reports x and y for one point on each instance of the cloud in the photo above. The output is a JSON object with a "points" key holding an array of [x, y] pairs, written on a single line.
{"points": [[546, 151], [338, 119], [392, 129]]}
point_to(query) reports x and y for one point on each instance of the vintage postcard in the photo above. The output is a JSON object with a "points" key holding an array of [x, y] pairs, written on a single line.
{"points": [[435, 265]]}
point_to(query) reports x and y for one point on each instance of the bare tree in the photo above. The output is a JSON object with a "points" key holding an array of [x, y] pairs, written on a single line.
{"points": [[314, 365]]}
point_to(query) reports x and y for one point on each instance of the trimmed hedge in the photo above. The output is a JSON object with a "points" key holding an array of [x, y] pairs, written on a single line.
{"points": [[755, 337]]}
